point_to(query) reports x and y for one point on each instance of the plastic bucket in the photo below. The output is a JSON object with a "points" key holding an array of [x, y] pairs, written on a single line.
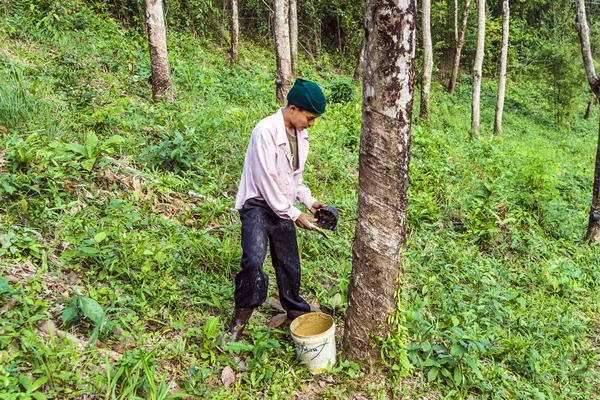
{"points": [[314, 340]]}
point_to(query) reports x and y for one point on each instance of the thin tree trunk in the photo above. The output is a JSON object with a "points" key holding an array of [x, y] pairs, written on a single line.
{"points": [[455, 21], [294, 36], [157, 43], [388, 90], [503, 60], [427, 58], [593, 231], [588, 110], [459, 45], [477, 68], [235, 30], [360, 62], [283, 53]]}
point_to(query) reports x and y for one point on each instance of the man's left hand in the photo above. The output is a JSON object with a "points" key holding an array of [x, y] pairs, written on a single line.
{"points": [[316, 205]]}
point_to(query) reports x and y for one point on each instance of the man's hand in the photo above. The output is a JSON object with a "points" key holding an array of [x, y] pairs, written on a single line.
{"points": [[316, 205], [304, 221]]}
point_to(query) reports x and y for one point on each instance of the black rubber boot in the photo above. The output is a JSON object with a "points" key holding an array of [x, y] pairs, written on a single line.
{"points": [[293, 314], [236, 327]]}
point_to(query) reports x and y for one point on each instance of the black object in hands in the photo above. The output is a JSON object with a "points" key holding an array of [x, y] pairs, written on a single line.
{"points": [[327, 217]]}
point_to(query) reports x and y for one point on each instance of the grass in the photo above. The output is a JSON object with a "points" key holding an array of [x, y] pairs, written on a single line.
{"points": [[498, 291]]}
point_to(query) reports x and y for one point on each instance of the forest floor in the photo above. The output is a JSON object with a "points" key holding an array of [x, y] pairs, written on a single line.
{"points": [[118, 241]]}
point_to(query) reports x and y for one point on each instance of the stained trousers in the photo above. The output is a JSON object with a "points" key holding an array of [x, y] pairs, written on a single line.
{"points": [[262, 227]]}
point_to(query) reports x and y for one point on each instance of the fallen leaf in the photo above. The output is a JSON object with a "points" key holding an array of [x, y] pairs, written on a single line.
{"points": [[137, 187], [277, 320], [241, 361], [3, 129], [227, 376], [276, 304], [315, 308]]}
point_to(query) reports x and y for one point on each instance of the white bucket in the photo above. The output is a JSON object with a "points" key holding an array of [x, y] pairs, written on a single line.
{"points": [[314, 340]]}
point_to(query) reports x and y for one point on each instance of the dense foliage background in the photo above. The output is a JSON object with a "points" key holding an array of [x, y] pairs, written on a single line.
{"points": [[117, 227]]}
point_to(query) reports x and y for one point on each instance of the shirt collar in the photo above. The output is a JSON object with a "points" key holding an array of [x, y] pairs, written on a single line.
{"points": [[281, 132]]}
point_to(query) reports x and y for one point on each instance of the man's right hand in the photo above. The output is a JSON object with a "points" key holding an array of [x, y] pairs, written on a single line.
{"points": [[304, 221]]}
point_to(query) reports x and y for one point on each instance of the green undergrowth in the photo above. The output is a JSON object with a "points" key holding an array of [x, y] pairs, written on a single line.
{"points": [[117, 228]]}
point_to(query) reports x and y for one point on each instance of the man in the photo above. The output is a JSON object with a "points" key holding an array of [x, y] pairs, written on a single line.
{"points": [[271, 182]]}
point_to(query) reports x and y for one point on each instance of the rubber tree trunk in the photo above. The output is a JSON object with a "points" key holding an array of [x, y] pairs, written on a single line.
{"points": [[477, 68], [593, 231], [162, 88], [455, 21], [388, 88], [360, 62], [459, 45], [235, 30], [427, 59], [283, 53], [503, 60], [294, 36]]}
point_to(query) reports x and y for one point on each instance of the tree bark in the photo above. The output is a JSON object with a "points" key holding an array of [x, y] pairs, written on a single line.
{"points": [[503, 60], [235, 30], [588, 110], [459, 45], [162, 88], [360, 62], [455, 21], [294, 36], [283, 53], [427, 59], [388, 89], [593, 231], [477, 68]]}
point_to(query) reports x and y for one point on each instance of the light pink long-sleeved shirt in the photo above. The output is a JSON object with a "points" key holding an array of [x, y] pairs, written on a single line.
{"points": [[268, 169]]}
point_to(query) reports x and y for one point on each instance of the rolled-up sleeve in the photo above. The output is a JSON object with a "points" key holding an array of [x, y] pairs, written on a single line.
{"points": [[265, 176]]}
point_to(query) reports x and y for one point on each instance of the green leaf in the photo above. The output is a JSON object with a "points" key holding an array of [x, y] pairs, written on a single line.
{"points": [[473, 364], [432, 374], [91, 142], [8, 188], [91, 309], [39, 382], [88, 164], [458, 350], [210, 327], [89, 250], [39, 396], [76, 148], [113, 141], [26, 382], [100, 237], [336, 301], [69, 313], [458, 376]]}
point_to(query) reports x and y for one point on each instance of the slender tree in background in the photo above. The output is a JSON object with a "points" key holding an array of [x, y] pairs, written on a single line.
{"points": [[360, 62], [455, 21], [235, 30], [477, 68], [459, 44], [503, 59], [388, 87], [157, 43], [283, 53], [294, 36], [593, 231], [427, 58]]}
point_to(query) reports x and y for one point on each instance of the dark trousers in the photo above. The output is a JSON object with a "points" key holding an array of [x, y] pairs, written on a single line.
{"points": [[260, 227]]}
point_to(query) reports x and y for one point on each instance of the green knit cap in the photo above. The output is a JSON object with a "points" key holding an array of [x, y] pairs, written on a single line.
{"points": [[308, 96]]}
